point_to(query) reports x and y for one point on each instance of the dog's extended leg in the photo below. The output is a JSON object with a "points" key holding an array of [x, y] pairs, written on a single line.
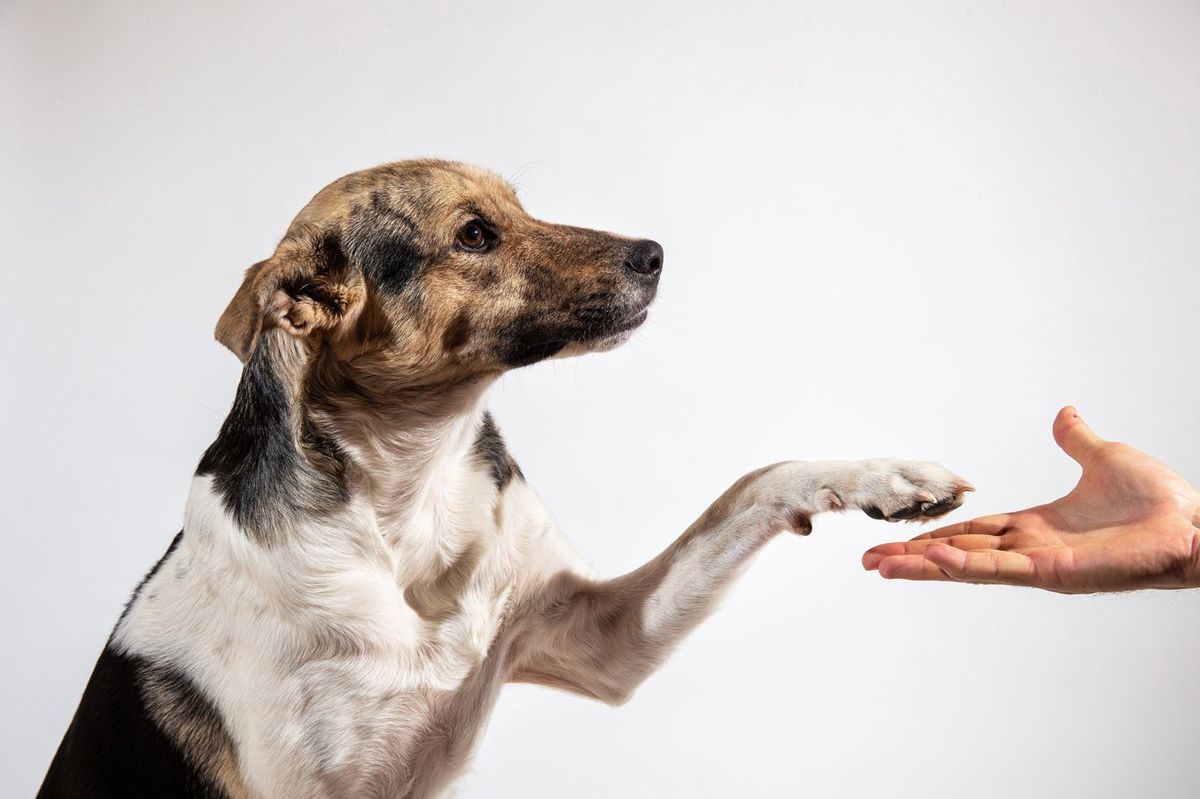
{"points": [[602, 638]]}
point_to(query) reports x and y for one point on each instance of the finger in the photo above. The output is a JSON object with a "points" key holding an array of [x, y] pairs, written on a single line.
{"points": [[984, 525], [982, 566], [911, 567], [1074, 436], [873, 556]]}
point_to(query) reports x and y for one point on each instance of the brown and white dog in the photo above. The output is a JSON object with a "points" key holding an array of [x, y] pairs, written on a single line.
{"points": [[362, 565]]}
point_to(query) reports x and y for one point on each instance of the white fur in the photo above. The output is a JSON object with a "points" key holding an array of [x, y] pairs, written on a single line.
{"points": [[328, 682]]}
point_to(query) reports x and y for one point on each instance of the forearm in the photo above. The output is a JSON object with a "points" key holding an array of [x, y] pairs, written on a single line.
{"points": [[602, 638]]}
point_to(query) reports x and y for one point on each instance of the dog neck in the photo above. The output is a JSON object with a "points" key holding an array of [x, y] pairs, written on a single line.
{"points": [[412, 446], [309, 434]]}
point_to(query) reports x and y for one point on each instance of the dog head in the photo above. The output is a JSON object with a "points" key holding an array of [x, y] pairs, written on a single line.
{"points": [[433, 271]]}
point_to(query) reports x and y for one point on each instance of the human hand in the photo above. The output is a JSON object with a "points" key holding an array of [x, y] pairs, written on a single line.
{"points": [[1131, 522]]}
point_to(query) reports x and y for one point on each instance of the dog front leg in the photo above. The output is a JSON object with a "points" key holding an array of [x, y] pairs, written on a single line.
{"points": [[602, 638]]}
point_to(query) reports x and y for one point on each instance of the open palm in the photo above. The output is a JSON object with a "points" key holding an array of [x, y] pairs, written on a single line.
{"points": [[1131, 522]]}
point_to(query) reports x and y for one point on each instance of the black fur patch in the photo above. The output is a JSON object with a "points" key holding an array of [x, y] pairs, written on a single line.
{"points": [[255, 453], [114, 748], [256, 461], [528, 340], [388, 260], [490, 450], [383, 241]]}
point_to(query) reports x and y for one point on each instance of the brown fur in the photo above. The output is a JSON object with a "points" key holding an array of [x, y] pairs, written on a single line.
{"points": [[438, 597], [459, 311], [397, 323], [194, 726], [369, 337]]}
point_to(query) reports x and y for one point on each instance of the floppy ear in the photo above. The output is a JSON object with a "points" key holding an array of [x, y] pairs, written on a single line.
{"points": [[240, 324], [306, 288]]}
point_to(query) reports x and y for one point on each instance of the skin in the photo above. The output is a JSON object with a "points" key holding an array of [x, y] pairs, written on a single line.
{"points": [[1130, 523]]}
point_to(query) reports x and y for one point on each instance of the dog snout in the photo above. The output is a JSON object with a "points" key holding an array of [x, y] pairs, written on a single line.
{"points": [[644, 259]]}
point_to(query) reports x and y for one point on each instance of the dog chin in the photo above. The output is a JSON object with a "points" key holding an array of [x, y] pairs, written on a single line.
{"points": [[602, 343], [607, 343]]}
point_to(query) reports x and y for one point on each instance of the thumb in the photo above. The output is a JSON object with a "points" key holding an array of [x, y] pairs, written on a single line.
{"points": [[1074, 436]]}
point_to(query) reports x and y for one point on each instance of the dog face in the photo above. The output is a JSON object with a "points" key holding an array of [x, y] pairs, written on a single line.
{"points": [[432, 270]]}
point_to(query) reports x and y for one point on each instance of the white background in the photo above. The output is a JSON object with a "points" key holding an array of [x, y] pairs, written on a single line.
{"points": [[909, 229]]}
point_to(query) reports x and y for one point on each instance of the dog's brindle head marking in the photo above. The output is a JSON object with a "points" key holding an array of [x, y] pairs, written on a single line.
{"points": [[431, 272], [394, 291]]}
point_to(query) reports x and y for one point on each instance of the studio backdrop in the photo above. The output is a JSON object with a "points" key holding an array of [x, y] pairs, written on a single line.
{"points": [[911, 229]]}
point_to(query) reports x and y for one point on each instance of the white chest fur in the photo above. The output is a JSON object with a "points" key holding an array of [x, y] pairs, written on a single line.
{"points": [[332, 656]]}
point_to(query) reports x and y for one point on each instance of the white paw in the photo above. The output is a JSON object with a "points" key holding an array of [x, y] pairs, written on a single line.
{"points": [[899, 490]]}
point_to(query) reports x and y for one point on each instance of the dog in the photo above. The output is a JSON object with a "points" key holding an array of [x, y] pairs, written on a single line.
{"points": [[362, 565]]}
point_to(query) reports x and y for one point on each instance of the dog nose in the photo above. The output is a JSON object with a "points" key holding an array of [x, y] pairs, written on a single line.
{"points": [[645, 258]]}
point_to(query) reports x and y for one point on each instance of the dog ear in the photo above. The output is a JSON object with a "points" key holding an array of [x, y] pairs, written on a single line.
{"points": [[307, 288], [240, 324]]}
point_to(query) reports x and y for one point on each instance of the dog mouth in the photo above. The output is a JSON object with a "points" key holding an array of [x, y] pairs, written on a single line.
{"points": [[613, 334], [604, 323], [632, 321], [593, 327]]}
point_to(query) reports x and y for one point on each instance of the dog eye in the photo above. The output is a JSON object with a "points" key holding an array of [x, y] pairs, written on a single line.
{"points": [[474, 237]]}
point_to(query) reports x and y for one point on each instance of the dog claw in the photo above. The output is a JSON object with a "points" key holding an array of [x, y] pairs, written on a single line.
{"points": [[942, 508], [911, 491], [910, 512]]}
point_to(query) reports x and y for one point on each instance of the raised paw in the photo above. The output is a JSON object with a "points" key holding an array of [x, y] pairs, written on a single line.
{"points": [[899, 490]]}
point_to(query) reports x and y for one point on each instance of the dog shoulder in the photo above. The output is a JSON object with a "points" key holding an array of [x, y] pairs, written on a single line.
{"points": [[142, 730]]}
